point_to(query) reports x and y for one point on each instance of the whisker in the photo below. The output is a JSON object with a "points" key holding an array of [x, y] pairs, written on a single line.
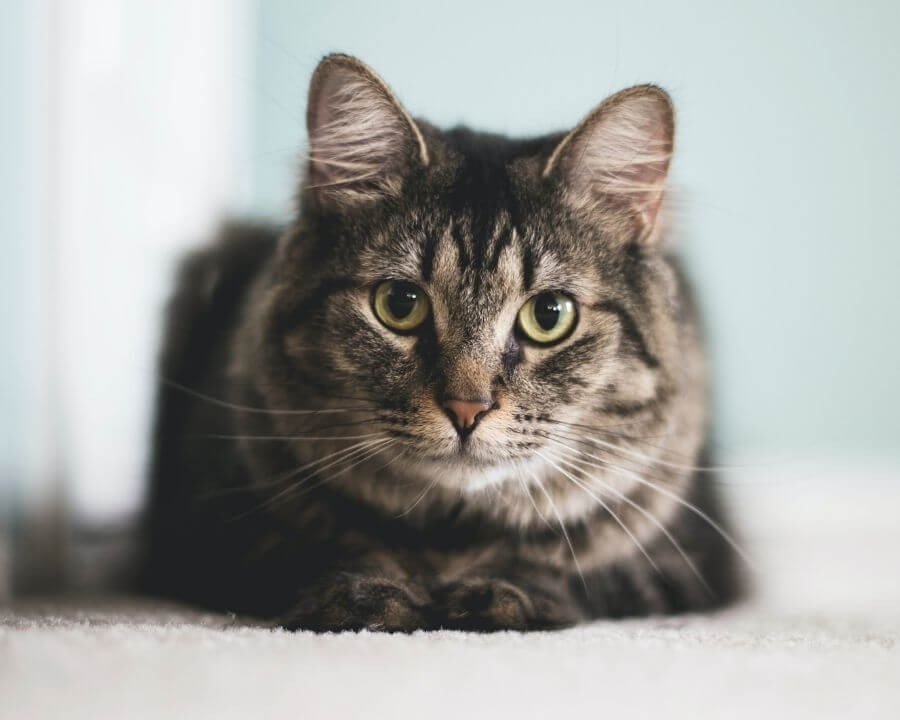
{"points": [[249, 408], [311, 427], [657, 473], [388, 463], [528, 494], [607, 508], [381, 442], [650, 516], [562, 527], [282, 438], [641, 456], [606, 429], [359, 449], [676, 498], [368, 456], [418, 499], [284, 477]]}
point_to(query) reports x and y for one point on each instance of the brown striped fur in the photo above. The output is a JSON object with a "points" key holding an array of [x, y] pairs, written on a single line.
{"points": [[570, 499]]}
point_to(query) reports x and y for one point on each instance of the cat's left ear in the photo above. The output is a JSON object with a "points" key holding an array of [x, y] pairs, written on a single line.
{"points": [[362, 142], [619, 155]]}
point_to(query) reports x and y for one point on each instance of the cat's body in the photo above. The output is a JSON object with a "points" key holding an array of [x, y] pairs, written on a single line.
{"points": [[369, 421]]}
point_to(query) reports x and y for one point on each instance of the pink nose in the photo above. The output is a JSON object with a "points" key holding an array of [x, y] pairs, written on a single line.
{"points": [[465, 413]]}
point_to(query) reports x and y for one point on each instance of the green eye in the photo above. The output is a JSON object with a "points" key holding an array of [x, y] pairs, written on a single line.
{"points": [[400, 305], [547, 318]]}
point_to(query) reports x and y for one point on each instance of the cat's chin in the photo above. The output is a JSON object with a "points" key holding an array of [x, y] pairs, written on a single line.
{"points": [[469, 470], [463, 457]]}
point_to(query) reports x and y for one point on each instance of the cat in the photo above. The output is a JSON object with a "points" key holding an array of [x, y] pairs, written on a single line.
{"points": [[464, 388]]}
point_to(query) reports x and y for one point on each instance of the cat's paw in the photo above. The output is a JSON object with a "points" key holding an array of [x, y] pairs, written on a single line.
{"points": [[491, 604], [486, 605], [350, 601]]}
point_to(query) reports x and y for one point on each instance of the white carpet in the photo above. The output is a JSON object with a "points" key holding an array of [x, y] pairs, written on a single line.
{"points": [[819, 640]]}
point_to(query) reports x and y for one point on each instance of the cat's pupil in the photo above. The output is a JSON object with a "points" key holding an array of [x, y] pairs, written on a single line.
{"points": [[546, 311], [402, 299]]}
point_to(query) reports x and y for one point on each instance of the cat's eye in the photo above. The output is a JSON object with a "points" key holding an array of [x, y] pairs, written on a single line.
{"points": [[400, 305], [547, 318]]}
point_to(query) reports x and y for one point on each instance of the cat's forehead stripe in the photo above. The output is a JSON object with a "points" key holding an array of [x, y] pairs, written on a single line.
{"points": [[529, 265], [505, 235], [429, 249]]}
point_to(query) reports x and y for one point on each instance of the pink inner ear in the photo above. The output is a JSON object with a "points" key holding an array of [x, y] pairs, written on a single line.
{"points": [[625, 152], [357, 137]]}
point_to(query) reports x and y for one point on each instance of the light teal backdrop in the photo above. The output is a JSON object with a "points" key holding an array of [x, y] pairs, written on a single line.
{"points": [[786, 177]]}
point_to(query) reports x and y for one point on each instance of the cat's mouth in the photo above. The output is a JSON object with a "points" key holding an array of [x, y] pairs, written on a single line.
{"points": [[461, 456], [468, 467], [441, 445], [468, 453]]}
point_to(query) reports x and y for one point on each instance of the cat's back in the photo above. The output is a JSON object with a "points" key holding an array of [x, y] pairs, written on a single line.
{"points": [[210, 284], [202, 316]]}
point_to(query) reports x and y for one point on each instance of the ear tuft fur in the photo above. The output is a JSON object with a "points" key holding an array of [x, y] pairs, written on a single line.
{"points": [[620, 152], [361, 140]]}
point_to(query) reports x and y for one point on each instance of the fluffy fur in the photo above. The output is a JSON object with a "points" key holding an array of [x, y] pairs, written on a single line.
{"points": [[305, 467]]}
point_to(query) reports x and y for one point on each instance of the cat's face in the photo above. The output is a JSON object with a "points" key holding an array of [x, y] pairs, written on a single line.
{"points": [[473, 298]]}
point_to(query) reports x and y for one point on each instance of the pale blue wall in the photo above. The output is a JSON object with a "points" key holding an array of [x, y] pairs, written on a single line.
{"points": [[788, 167], [19, 261], [19, 233]]}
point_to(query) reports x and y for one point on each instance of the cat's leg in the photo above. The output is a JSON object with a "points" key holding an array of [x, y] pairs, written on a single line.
{"points": [[696, 574], [671, 587]]}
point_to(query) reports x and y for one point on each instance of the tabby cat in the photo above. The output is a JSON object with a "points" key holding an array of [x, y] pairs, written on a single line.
{"points": [[463, 389]]}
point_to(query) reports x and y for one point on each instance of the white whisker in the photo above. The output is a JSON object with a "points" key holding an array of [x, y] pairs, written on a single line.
{"points": [[284, 477], [299, 438], [605, 507], [646, 458], [562, 527], [249, 408], [368, 456], [378, 444], [528, 494], [676, 498], [419, 499], [647, 514], [345, 453]]}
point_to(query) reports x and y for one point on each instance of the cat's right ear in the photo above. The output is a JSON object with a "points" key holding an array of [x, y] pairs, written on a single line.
{"points": [[362, 142]]}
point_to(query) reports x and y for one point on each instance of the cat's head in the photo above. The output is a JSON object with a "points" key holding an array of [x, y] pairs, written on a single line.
{"points": [[469, 296]]}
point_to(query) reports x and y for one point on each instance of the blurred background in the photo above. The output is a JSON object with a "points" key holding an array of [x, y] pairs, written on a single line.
{"points": [[130, 129]]}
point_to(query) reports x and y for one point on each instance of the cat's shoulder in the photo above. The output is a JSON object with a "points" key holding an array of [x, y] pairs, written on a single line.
{"points": [[238, 249], [211, 281]]}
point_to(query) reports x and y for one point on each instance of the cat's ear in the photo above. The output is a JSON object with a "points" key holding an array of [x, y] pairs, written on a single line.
{"points": [[619, 154], [362, 143]]}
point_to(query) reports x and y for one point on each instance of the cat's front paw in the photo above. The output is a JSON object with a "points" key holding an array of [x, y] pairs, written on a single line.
{"points": [[350, 601], [485, 605], [492, 604]]}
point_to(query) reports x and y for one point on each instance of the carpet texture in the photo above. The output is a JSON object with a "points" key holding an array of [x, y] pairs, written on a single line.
{"points": [[819, 639]]}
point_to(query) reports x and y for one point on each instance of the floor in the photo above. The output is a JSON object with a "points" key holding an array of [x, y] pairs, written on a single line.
{"points": [[819, 639]]}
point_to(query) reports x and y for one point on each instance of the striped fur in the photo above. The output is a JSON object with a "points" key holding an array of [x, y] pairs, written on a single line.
{"points": [[305, 469]]}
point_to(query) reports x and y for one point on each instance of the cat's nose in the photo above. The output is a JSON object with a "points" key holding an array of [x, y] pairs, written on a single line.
{"points": [[465, 414]]}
